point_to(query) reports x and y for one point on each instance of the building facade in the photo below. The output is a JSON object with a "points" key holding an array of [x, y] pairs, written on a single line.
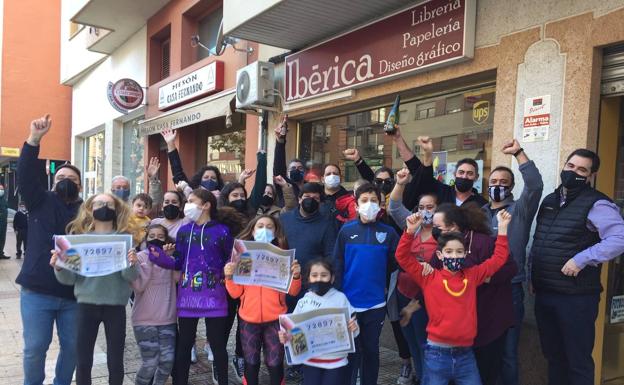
{"points": [[472, 74], [30, 88]]}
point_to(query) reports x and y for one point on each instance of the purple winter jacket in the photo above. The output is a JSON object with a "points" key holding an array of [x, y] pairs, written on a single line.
{"points": [[201, 253]]}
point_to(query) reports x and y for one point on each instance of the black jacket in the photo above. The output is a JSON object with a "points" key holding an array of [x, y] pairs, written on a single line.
{"points": [[560, 234], [20, 221], [47, 215]]}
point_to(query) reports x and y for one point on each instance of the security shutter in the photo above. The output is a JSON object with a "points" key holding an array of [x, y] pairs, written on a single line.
{"points": [[165, 59], [613, 71]]}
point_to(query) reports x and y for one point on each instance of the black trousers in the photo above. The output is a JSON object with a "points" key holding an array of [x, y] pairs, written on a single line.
{"points": [[217, 334], [89, 319], [490, 359], [232, 314], [566, 329], [20, 238]]}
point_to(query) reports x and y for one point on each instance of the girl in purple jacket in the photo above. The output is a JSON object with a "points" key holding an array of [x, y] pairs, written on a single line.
{"points": [[202, 248]]}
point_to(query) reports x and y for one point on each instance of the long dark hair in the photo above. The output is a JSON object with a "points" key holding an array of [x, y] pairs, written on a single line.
{"points": [[224, 199], [280, 237], [468, 217], [207, 196], [197, 178]]}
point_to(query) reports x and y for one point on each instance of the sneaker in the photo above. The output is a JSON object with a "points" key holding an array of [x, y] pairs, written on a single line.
{"points": [[193, 356], [238, 364], [208, 352], [215, 379], [405, 378]]}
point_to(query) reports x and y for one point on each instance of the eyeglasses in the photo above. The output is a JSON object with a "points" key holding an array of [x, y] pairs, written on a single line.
{"points": [[100, 204]]}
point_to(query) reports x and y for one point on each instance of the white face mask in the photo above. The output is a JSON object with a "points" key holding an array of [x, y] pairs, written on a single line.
{"points": [[264, 235], [332, 181], [1, 193], [368, 211], [192, 211]]}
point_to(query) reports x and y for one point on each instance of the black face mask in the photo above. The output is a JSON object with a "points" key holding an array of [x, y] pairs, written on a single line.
{"points": [[309, 205], [319, 288], [171, 212], [572, 180], [104, 214], [240, 205], [296, 175], [156, 242], [267, 201], [385, 185], [463, 185], [66, 190], [436, 232]]}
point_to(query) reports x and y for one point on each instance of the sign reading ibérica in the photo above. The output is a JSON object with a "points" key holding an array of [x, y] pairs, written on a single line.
{"points": [[431, 34]]}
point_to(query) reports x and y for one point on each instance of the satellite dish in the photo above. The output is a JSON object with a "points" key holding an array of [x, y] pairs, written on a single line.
{"points": [[243, 86], [219, 42]]}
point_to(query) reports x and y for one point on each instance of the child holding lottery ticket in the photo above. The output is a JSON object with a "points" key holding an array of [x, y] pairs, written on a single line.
{"points": [[154, 318], [330, 369], [260, 306]]}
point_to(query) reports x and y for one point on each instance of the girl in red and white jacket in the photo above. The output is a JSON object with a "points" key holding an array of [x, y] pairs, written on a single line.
{"points": [[261, 307]]}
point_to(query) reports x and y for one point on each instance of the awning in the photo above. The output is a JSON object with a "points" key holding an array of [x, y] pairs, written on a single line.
{"points": [[211, 107]]}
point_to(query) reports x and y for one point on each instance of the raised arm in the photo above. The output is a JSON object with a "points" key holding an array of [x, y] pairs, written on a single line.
{"points": [[255, 198], [365, 171], [155, 187], [528, 203], [28, 164], [174, 157], [279, 158], [404, 256], [396, 209]]}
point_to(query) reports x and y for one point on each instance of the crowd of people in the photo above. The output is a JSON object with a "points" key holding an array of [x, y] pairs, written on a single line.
{"points": [[445, 266]]}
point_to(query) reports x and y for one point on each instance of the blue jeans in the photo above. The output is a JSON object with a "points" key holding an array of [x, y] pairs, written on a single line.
{"points": [[445, 364], [415, 333], [39, 313], [509, 370], [366, 356]]}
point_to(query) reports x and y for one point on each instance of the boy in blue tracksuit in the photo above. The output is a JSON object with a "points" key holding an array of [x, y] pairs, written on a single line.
{"points": [[364, 257]]}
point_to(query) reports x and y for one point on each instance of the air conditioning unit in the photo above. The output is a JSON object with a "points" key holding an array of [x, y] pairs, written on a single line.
{"points": [[254, 86]]}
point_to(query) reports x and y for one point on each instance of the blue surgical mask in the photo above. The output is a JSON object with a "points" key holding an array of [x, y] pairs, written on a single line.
{"points": [[264, 235], [122, 194]]}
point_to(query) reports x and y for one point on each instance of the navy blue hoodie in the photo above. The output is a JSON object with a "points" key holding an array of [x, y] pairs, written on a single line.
{"points": [[47, 215]]}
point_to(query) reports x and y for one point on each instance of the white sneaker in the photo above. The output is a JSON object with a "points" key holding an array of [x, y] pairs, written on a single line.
{"points": [[193, 355], [215, 378], [405, 378], [208, 352]]}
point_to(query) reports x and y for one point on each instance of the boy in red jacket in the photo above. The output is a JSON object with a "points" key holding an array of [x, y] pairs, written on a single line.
{"points": [[451, 298]]}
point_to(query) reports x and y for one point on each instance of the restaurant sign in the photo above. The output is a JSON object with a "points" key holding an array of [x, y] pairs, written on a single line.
{"points": [[426, 36], [204, 81]]}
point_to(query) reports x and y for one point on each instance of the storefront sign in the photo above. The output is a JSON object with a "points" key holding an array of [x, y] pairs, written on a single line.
{"points": [[218, 105], [204, 81], [10, 151], [429, 35], [536, 119], [125, 95], [617, 309]]}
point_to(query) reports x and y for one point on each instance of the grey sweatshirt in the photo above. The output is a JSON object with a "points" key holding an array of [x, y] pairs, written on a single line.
{"points": [[112, 289], [522, 213]]}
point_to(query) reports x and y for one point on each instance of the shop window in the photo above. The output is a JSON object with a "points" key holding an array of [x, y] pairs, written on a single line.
{"points": [[94, 164], [456, 134], [227, 152], [133, 165], [207, 29]]}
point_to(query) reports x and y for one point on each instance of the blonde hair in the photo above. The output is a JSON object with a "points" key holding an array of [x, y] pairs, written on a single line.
{"points": [[84, 220]]}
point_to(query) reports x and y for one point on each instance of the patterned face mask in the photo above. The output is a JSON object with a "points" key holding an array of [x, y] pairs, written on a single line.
{"points": [[454, 264]]}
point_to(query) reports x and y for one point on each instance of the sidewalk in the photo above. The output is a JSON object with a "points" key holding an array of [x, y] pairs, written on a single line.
{"points": [[12, 343]]}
